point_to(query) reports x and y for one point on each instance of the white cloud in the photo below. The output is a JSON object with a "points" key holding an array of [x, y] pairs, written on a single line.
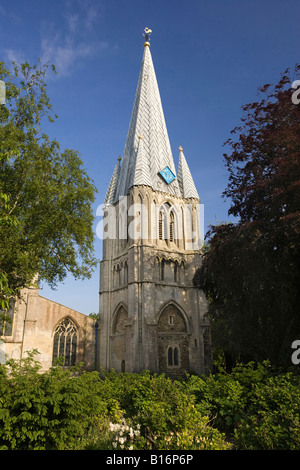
{"points": [[73, 22], [14, 55], [87, 14], [68, 47], [66, 54], [69, 43]]}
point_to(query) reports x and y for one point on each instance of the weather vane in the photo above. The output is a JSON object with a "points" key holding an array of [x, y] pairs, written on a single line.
{"points": [[147, 36]]}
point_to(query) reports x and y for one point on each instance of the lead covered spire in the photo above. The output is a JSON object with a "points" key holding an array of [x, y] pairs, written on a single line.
{"points": [[112, 188], [185, 179], [147, 158], [148, 120]]}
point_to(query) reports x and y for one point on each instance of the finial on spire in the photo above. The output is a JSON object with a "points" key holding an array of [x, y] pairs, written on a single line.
{"points": [[180, 149], [147, 36]]}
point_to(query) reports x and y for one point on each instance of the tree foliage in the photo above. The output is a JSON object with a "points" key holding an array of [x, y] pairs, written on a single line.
{"points": [[251, 271], [45, 193]]}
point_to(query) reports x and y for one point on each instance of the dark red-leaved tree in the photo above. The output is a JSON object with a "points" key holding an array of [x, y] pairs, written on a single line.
{"points": [[250, 273]]}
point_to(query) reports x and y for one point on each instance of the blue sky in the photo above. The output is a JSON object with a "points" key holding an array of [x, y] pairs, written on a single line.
{"points": [[210, 57]]}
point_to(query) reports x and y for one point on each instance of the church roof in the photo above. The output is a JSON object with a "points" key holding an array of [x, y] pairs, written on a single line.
{"points": [[147, 149]]}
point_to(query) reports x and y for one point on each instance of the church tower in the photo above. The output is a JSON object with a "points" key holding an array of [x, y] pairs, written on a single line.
{"points": [[151, 316]]}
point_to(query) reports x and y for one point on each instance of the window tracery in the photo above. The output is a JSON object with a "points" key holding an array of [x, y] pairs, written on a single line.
{"points": [[65, 342]]}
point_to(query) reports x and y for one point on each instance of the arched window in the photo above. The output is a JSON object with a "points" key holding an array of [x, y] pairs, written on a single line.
{"points": [[173, 342], [166, 225], [65, 342], [6, 322], [125, 273], [118, 275], [115, 276], [172, 226], [162, 270], [118, 339], [173, 356], [170, 357], [176, 358], [160, 225], [175, 271]]}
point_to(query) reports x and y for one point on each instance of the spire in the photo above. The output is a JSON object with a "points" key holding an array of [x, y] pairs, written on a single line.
{"points": [[148, 120], [185, 179], [111, 191], [142, 173]]}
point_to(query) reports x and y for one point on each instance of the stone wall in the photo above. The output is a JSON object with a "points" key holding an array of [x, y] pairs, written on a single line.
{"points": [[145, 276], [34, 322]]}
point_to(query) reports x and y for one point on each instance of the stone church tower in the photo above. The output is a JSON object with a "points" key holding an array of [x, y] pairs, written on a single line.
{"points": [[151, 316]]}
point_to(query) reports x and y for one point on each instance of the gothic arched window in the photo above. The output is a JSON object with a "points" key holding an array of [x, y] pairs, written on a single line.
{"points": [[125, 273], [170, 357], [173, 356], [176, 271], [162, 270], [165, 222], [172, 226], [160, 225], [176, 357], [65, 342]]}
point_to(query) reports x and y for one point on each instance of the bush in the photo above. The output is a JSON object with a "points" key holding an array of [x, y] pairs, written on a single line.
{"points": [[254, 406], [273, 418], [225, 397], [46, 411], [250, 408], [165, 414]]}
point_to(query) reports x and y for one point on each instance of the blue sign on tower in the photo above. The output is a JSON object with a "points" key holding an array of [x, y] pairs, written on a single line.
{"points": [[167, 175]]}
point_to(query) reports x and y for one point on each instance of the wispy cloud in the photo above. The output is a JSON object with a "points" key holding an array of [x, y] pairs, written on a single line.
{"points": [[9, 14], [83, 14], [66, 53], [66, 48], [70, 41], [14, 55]]}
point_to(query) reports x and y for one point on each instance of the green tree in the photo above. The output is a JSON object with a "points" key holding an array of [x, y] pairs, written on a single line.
{"points": [[251, 271], [46, 195], [6, 220]]}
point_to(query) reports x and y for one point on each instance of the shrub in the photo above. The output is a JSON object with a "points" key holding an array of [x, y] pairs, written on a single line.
{"points": [[273, 418], [250, 408], [46, 411], [164, 411]]}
